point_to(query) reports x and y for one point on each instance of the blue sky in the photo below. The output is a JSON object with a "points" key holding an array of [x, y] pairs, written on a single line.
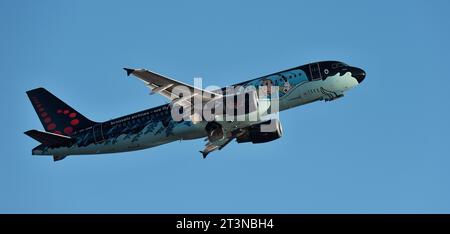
{"points": [[383, 148]]}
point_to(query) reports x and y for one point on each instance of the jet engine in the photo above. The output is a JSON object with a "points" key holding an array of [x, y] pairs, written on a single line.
{"points": [[255, 135], [215, 131]]}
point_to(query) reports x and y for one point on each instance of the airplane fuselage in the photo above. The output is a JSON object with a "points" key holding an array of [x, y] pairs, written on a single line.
{"points": [[326, 81]]}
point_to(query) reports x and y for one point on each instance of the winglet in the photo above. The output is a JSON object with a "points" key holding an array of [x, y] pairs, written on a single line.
{"points": [[129, 70], [204, 154], [58, 157]]}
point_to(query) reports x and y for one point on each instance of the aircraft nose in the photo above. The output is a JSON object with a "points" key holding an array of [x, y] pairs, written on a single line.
{"points": [[359, 74]]}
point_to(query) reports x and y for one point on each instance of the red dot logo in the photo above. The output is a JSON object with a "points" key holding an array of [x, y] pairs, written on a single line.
{"points": [[51, 127], [68, 130], [74, 122], [73, 115], [44, 114], [66, 112], [47, 120]]}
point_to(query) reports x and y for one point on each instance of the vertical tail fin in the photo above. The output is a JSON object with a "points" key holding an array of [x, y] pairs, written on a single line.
{"points": [[55, 115]]}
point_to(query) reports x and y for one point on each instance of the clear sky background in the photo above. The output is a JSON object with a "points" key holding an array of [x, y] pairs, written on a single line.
{"points": [[383, 148]]}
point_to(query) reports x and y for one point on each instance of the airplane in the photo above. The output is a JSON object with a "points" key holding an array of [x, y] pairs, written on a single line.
{"points": [[68, 132]]}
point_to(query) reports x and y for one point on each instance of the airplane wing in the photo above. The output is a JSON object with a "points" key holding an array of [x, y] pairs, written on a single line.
{"points": [[166, 86], [221, 140], [210, 146], [218, 136]]}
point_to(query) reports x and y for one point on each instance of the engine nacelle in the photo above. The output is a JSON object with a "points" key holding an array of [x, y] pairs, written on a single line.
{"points": [[214, 131], [254, 134]]}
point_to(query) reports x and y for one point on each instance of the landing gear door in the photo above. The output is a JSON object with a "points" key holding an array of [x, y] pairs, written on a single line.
{"points": [[314, 68], [98, 133]]}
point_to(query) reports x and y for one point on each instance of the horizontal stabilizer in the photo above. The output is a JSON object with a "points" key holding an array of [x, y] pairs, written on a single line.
{"points": [[49, 139]]}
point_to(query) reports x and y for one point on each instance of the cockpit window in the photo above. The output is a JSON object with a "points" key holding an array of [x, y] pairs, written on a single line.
{"points": [[338, 65]]}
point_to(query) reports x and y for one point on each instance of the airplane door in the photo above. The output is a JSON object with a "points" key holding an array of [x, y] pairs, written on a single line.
{"points": [[314, 68], [98, 133]]}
